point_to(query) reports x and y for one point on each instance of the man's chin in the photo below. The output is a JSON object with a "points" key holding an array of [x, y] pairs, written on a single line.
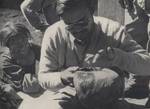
{"points": [[82, 36]]}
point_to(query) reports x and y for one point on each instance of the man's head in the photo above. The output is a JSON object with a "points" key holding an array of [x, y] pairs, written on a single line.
{"points": [[63, 5], [97, 89], [77, 15], [16, 37]]}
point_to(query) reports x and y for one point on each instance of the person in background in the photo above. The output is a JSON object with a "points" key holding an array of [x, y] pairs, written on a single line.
{"points": [[138, 28], [17, 65], [139, 11], [31, 10], [81, 40]]}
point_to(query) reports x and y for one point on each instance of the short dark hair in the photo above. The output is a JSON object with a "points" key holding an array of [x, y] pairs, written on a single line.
{"points": [[61, 5], [12, 29]]}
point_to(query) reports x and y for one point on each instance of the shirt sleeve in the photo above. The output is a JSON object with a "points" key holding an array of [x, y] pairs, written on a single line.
{"points": [[49, 75], [131, 56], [30, 10]]}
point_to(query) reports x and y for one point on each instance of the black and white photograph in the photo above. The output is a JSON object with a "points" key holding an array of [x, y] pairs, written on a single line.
{"points": [[74, 54]]}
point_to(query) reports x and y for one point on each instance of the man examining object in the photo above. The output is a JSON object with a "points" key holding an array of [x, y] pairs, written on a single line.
{"points": [[81, 40]]}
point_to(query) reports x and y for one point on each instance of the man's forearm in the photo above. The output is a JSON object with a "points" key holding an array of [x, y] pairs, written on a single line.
{"points": [[137, 63], [51, 80]]}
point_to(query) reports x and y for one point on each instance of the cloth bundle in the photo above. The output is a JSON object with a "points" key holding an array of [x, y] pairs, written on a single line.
{"points": [[98, 87]]}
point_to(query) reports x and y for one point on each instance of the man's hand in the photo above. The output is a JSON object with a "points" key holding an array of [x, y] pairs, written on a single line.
{"points": [[104, 57], [30, 84], [67, 75]]}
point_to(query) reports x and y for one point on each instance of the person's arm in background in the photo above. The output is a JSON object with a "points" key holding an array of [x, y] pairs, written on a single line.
{"points": [[30, 9]]}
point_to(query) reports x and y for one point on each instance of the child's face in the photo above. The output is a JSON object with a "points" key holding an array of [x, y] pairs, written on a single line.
{"points": [[18, 46]]}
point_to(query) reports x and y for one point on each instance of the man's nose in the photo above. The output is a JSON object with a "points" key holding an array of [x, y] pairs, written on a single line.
{"points": [[76, 28]]}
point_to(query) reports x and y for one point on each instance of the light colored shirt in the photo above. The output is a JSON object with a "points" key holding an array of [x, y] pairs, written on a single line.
{"points": [[60, 50]]}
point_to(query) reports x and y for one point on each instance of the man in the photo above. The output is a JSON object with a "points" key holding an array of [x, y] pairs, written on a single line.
{"points": [[31, 11], [81, 40]]}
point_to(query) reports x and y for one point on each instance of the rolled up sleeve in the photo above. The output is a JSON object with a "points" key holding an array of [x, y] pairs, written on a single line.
{"points": [[49, 75]]}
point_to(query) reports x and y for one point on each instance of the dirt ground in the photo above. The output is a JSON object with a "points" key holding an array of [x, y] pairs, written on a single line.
{"points": [[16, 16]]}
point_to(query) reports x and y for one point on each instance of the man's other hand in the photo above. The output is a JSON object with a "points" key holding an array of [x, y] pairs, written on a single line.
{"points": [[30, 84], [104, 57], [67, 75]]}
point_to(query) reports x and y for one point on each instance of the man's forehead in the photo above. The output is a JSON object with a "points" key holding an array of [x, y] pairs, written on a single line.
{"points": [[74, 15]]}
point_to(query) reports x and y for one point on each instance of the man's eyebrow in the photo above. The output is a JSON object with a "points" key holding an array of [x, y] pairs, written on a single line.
{"points": [[77, 21], [82, 19]]}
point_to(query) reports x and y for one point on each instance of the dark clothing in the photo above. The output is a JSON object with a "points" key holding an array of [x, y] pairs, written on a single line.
{"points": [[12, 73], [138, 30]]}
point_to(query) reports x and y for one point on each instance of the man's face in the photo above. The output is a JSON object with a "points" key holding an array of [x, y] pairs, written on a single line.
{"points": [[18, 46], [79, 21]]}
